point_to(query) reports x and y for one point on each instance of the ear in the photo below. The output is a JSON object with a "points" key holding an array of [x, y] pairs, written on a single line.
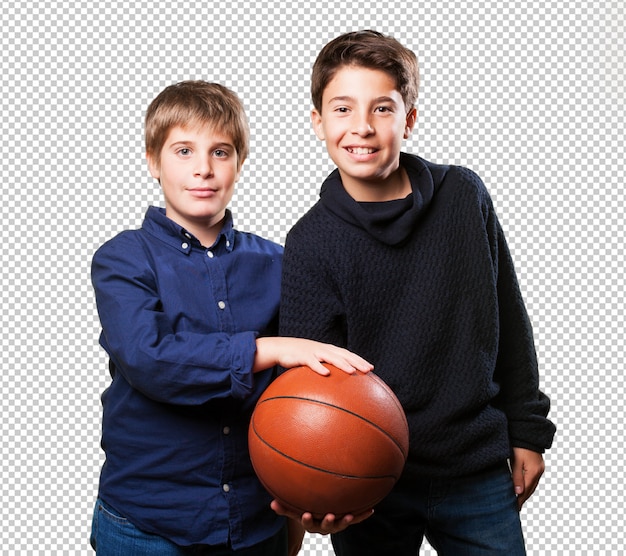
{"points": [[153, 167], [411, 118], [316, 121]]}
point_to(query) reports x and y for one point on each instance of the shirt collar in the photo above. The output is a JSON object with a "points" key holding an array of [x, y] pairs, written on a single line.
{"points": [[159, 225]]}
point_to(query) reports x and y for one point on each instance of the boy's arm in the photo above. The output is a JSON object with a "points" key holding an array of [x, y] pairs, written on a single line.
{"points": [[525, 405], [184, 368], [309, 305]]}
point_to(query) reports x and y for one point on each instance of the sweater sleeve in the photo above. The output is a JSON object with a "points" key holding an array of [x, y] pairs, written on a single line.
{"points": [[524, 404], [310, 304]]}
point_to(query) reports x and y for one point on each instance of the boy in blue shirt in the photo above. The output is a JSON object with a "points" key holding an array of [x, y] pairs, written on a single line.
{"points": [[404, 262], [189, 309]]}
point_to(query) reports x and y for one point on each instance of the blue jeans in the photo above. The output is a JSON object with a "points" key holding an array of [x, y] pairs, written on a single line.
{"points": [[467, 516], [113, 535]]}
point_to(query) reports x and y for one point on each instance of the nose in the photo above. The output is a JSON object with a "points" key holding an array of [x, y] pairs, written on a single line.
{"points": [[363, 125], [203, 168]]}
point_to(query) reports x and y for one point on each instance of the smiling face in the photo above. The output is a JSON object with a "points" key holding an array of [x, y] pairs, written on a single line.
{"points": [[363, 121], [197, 169]]}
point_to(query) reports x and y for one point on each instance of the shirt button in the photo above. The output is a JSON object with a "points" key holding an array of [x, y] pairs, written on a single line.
{"points": [[226, 488], [210, 254], [221, 305], [185, 245], [227, 243], [226, 430]]}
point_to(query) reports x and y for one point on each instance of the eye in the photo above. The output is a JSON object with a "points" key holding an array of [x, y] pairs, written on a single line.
{"points": [[184, 151], [383, 109], [220, 153]]}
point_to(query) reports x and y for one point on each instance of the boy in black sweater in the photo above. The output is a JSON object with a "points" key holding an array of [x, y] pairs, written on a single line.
{"points": [[404, 262]]}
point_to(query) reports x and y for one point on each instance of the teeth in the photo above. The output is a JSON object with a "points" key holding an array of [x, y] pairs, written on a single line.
{"points": [[361, 150]]}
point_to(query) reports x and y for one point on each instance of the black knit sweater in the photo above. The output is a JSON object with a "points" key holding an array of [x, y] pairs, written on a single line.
{"points": [[425, 289]]}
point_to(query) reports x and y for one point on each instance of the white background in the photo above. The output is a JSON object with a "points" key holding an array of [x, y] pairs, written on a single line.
{"points": [[531, 95]]}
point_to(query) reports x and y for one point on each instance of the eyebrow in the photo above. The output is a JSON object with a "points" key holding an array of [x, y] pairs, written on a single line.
{"points": [[185, 142], [339, 99], [352, 99]]}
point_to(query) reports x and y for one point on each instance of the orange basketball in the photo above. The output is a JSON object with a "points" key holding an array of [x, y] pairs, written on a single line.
{"points": [[335, 444]]}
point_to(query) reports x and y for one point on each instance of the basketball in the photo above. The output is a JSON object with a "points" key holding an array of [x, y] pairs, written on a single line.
{"points": [[328, 444]]}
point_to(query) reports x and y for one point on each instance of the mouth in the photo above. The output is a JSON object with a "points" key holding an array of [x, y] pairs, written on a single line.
{"points": [[203, 193], [361, 150]]}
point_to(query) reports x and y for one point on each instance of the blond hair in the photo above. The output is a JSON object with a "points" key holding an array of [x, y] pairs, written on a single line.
{"points": [[192, 103]]}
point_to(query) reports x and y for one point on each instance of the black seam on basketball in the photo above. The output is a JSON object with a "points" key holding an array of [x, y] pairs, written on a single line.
{"points": [[342, 475], [385, 386], [327, 404]]}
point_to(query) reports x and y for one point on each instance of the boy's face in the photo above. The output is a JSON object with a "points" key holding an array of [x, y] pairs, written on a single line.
{"points": [[363, 121], [197, 170]]}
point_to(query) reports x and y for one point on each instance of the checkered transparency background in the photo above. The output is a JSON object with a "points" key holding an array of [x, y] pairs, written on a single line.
{"points": [[528, 94]]}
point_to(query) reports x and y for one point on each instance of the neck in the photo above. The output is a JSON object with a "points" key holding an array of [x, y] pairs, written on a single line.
{"points": [[207, 235]]}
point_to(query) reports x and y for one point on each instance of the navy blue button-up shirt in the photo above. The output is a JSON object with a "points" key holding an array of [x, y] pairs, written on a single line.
{"points": [[179, 323]]}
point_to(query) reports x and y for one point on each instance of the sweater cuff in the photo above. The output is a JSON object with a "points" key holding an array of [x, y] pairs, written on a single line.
{"points": [[536, 436]]}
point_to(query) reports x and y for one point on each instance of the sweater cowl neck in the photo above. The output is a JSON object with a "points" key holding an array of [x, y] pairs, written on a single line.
{"points": [[390, 222]]}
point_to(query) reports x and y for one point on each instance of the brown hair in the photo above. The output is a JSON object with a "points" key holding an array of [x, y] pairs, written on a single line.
{"points": [[369, 49], [191, 103]]}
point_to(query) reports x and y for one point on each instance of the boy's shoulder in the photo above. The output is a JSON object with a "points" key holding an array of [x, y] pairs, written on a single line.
{"points": [[415, 165], [256, 242], [124, 249], [120, 240], [131, 237], [440, 173], [314, 221], [454, 181]]}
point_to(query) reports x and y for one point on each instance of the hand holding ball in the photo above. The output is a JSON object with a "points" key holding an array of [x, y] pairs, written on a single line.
{"points": [[328, 444]]}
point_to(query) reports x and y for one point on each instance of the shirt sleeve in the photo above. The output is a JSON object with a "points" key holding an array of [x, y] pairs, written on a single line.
{"points": [[178, 367], [524, 404]]}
